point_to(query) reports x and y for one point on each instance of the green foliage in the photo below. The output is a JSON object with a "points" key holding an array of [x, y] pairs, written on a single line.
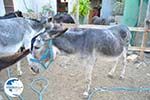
{"points": [[84, 7], [30, 11], [47, 8]]}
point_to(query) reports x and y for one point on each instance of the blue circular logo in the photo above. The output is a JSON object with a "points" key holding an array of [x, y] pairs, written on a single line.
{"points": [[13, 87]]}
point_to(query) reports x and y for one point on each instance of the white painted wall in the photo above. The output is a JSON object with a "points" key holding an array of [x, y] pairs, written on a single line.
{"points": [[19, 5], [2, 8], [38, 4], [35, 5]]}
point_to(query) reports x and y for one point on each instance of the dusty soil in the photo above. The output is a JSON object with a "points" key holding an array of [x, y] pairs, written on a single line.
{"points": [[67, 82]]}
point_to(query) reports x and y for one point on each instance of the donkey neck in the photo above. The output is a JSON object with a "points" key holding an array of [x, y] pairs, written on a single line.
{"points": [[35, 24]]}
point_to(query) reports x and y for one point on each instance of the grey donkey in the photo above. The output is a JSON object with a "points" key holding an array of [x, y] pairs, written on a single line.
{"points": [[111, 43]]}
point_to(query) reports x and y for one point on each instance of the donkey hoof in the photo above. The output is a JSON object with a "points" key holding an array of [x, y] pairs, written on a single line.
{"points": [[34, 70], [85, 94], [110, 75], [121, 77]]}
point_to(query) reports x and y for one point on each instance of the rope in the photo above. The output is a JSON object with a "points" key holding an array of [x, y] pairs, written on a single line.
{"points": [[117, 89], [41, 91]]}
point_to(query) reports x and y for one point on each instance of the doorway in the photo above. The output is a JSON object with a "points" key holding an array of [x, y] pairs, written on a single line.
{"points": [[62, 6]]}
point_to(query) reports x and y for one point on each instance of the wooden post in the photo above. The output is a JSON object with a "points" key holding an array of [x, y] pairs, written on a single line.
{"points": [[143, 45], [145, 35]]}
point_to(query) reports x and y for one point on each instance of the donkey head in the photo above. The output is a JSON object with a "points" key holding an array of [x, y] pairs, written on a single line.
{"points": [[42, 49]]}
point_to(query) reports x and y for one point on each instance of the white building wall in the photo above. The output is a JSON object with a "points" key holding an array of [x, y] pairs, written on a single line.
{"points": [[35, 5], [2, 8], [19, 5], [38, 4]]}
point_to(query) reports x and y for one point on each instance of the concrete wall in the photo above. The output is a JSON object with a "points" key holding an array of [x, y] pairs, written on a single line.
{"points": [[2, 8]]}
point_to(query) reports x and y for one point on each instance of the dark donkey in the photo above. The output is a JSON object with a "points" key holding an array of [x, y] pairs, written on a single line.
{"points": [[90, 43], [63, 18], [102, 21]]}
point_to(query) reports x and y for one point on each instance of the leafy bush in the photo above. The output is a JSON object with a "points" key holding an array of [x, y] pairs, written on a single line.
{"points": [[47, 10], [84, 7]]}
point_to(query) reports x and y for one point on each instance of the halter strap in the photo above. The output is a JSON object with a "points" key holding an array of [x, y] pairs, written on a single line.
{"points": [[16, 14], [34, 38], [48, 54]]}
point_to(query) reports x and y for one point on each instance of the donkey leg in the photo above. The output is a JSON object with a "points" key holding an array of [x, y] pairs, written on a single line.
{"points": [[88, 74], [110, 74], [88, 79], [55, 52], [124, 63], [32, 68], [19, 71]]}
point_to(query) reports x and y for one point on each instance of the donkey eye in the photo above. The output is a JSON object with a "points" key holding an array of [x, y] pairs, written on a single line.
{"points": [[38, 40], [35, 47]]}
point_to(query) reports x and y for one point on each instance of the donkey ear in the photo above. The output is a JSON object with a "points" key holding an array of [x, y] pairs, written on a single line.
{"points": [[56, 33], [42, 20]]}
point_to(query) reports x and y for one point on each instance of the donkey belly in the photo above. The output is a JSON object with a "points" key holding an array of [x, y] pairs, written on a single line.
{"points": [[108, 58], [111, 56], [10, 49]]}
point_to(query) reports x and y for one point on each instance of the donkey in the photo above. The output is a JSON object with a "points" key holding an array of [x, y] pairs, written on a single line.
{"points": [[8, 16], [102, 21], [18, 32], [63, 18], [90, 43]]}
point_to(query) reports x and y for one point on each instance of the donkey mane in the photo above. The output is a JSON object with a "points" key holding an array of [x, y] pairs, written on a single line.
{"points": [[34, 20]]}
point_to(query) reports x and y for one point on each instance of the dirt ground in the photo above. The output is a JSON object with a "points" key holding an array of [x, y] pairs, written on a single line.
{"points": [[67, 82]]}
